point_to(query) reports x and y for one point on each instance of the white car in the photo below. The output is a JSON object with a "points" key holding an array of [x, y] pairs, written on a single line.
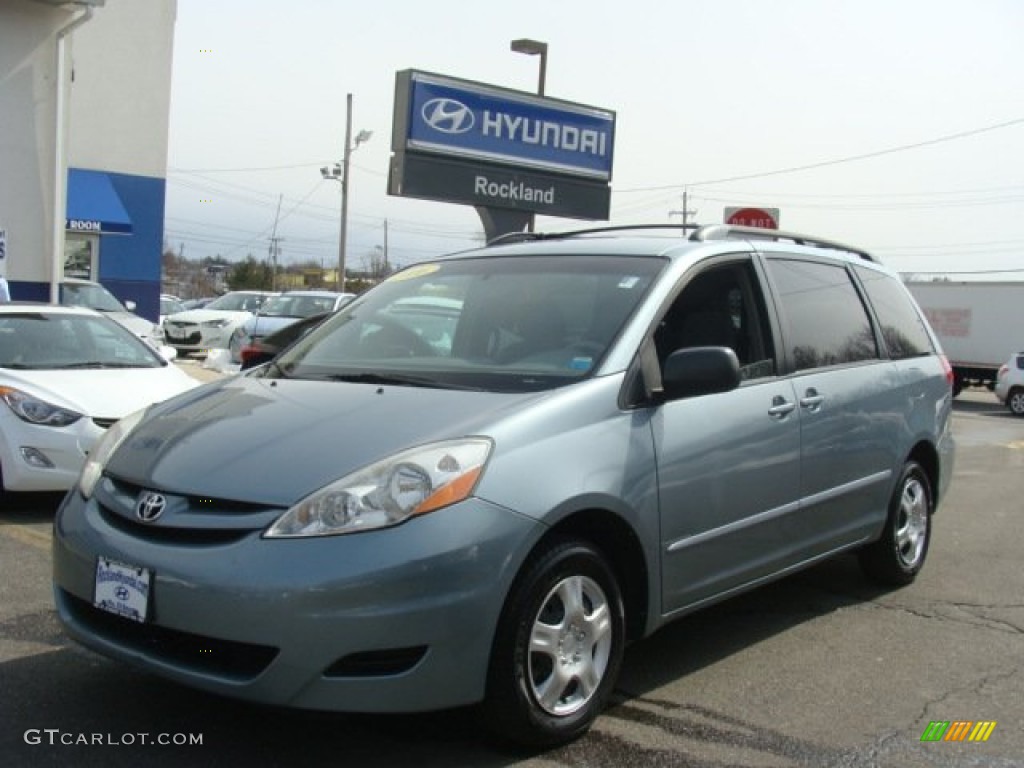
{"points": [[200, 330], [66, 375], [86, 293], [1010, 384]]}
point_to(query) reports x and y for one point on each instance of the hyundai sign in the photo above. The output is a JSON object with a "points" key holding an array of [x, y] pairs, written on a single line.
{"points": [[519, 150]]}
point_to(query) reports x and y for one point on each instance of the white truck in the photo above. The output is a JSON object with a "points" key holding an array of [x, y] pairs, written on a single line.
{"points": [[980, 324]]}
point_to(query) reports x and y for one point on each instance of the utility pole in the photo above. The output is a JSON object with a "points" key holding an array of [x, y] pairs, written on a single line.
{"points": [[339, 173], [346, 155], [274, 249], [386, 270], [685, 213]]}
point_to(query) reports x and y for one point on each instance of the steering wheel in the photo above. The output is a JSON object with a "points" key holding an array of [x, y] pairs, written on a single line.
{"points": [[393, 339]]}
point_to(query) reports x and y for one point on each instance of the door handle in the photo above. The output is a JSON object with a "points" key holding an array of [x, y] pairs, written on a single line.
{"points": [[780, 407], [812, 400]]}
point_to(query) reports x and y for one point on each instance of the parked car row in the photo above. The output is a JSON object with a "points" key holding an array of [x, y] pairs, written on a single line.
{"points": [[240, 317], [281, 311]]}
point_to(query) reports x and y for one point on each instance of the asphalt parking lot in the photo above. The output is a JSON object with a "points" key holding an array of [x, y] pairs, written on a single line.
{"points": [[820, 669]]}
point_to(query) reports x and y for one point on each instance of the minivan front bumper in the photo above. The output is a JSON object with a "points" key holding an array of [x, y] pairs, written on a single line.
{"points": [[394, 620]]}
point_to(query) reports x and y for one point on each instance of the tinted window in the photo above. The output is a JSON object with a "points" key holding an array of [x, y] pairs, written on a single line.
{"points": [[904, 333], [824, 319]]}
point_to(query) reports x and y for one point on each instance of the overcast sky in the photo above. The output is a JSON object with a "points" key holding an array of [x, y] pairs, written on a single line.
{"points": [[910, 112]]}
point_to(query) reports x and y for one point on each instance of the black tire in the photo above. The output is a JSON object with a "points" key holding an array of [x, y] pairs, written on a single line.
{"points": [[898, 556], [566, 603], [1015, 401]]}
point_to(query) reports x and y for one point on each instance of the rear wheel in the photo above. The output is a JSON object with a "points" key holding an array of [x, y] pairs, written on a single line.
{"points": [[558, 647], [899, 555], [1015, 401]]}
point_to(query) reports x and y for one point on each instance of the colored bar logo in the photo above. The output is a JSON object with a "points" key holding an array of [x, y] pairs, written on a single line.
{"points": [[958, 730]]}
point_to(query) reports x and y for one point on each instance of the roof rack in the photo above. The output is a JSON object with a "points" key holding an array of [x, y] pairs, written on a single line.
{"points": [[519, 237], [729, 231], [701, 233]]}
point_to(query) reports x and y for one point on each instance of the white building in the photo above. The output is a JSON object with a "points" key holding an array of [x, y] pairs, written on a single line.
{"points": [[84, 111]]}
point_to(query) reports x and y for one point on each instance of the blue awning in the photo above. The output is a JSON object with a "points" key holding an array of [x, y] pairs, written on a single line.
{"points": [[94, 205]]}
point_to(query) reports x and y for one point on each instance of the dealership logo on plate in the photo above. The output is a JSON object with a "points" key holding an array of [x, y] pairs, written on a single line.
{"points": [[448, 116]]}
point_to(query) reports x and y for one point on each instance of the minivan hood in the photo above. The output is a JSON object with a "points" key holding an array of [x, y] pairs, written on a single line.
{"points": [[274, 441]]}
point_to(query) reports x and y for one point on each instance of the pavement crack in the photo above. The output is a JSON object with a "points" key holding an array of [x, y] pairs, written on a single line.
{"points": [[40, 627]]}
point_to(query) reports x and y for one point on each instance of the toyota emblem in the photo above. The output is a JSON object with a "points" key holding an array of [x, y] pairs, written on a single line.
{"points": [[150, 506]]}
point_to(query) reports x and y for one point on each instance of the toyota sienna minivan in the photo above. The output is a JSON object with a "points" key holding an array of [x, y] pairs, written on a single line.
{"points": [[482, 479]]}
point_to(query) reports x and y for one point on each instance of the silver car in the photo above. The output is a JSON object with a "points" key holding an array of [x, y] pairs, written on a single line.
{"points": [[574, 440]]}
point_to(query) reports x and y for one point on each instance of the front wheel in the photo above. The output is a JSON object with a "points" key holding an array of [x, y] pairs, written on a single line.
{"points": [[558, 647], [899, 555]]}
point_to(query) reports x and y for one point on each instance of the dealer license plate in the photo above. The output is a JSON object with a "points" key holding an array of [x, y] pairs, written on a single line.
{"points": [[122, 589]]}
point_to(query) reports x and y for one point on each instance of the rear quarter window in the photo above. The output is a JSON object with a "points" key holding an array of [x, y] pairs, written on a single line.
{"points": [[902, 327]]}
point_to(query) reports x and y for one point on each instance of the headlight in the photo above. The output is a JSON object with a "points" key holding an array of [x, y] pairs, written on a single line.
{"points": [[216, 323], [104, 449], [389, 492], [36, 411]]}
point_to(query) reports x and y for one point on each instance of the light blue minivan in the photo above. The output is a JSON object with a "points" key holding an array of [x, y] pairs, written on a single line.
{"points": [[483, 478]]}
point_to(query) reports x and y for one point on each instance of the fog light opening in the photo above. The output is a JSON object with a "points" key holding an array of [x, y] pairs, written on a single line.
{"points": [[36, 458]]}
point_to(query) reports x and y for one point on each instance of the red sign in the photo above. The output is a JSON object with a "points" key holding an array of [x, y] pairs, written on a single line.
{"points": [[765, 218]]}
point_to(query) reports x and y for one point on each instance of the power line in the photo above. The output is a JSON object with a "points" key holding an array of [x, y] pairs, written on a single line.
{"points": [[838, 161], [172, 169]]}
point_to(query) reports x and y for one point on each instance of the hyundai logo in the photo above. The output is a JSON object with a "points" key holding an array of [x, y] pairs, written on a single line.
{"points": [[150, 506], [448, 116]]}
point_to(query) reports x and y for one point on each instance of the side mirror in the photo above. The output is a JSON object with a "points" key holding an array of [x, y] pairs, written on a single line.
{"points": [[170, 354], [700, 371]]}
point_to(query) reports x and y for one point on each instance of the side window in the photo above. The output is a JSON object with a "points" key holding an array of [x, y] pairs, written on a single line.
{"points": [[824, 320], [902, 329], [721, 307]]}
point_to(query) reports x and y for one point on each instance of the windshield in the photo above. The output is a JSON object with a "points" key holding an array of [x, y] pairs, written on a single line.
{"points": [[291, 305], [89, 295], [501, 324], [170, 306], [238, 302], [47, 341]]}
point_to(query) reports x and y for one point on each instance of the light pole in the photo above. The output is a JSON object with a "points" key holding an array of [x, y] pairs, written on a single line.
{"points": [[339, 173], [533, 48]]}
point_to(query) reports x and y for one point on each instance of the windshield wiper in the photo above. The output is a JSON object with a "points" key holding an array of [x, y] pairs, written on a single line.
{"points": [[397, 379], [98, 364]]}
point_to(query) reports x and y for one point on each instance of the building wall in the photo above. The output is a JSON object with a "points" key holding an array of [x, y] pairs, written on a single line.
{"points": [[28, 98], [117, 120], [121, 93]]}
